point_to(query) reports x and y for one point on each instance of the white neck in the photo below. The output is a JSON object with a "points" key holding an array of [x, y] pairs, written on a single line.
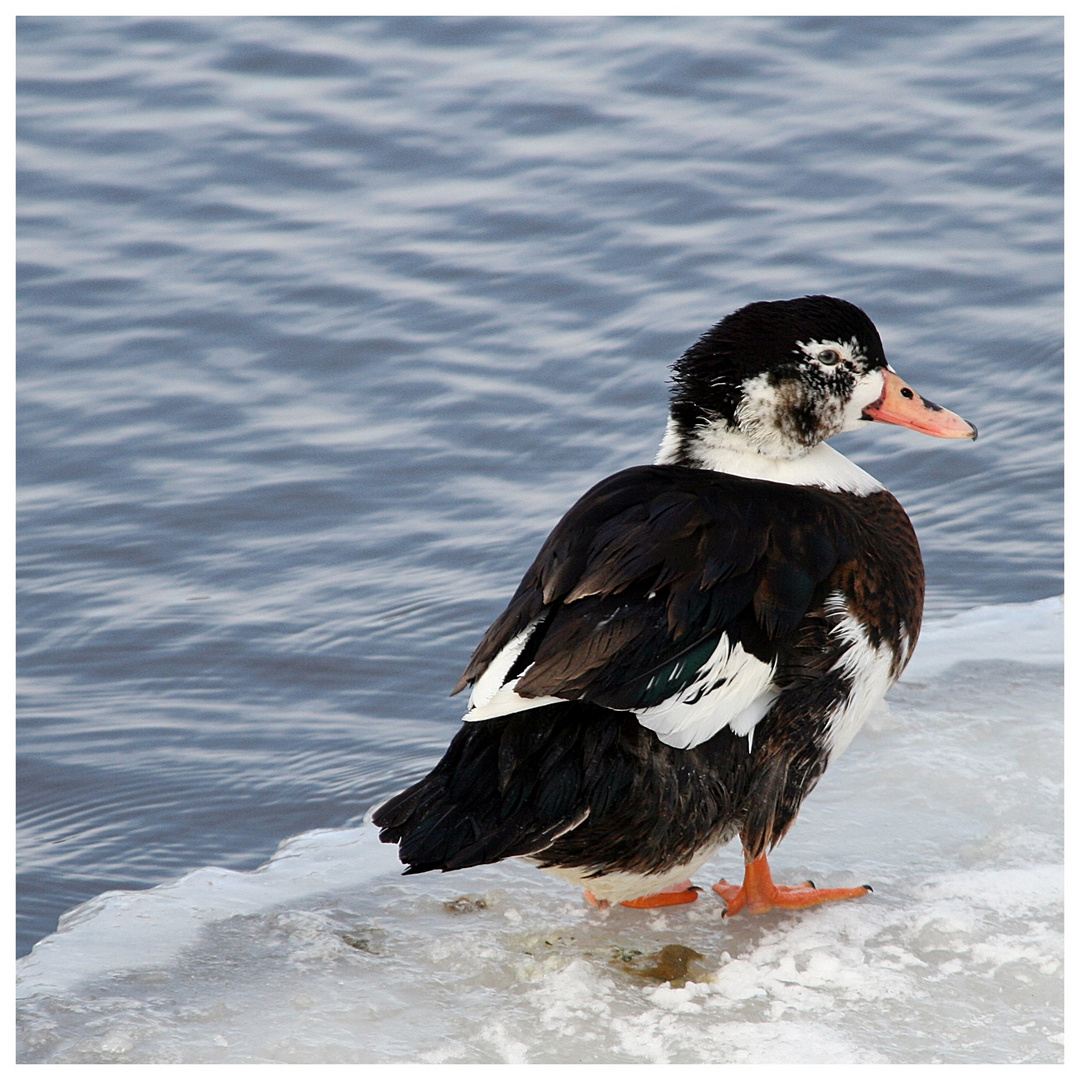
{"points": [[821, 466]]}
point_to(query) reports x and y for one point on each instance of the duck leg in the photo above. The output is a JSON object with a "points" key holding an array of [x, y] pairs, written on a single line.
{"points": [[758, 894], [681, 893]]}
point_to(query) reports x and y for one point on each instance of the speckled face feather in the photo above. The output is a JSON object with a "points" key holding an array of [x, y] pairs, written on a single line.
{"points": [[793, 406]]}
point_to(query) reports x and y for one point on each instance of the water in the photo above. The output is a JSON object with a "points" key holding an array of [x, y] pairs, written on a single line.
{"points": [[323, 323]]}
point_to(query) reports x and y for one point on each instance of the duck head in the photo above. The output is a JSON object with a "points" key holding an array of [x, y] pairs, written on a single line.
{"points": [[779, 377]]}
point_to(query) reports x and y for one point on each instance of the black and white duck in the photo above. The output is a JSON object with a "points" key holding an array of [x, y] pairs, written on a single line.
{"points": [[698, 638]]}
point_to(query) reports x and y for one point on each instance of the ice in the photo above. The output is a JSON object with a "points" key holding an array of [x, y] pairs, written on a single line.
{"points": [[949, 804], [1033, 632]]}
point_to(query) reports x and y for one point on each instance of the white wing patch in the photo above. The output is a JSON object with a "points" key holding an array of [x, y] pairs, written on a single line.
{"points": [[731, 689], [492, 695], [485, 688]]}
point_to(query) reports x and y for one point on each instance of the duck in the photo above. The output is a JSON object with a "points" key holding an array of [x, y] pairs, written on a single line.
{"points": [[699, 638]]}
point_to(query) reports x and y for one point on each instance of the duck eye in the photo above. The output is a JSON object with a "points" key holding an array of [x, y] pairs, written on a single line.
{"points": [[828, 356]]}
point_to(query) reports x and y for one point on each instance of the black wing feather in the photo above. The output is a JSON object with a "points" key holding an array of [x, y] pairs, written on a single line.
{"points": [[654, 561]]}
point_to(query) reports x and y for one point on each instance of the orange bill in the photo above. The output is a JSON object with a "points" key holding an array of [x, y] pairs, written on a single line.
{"points": [[899, 404]]}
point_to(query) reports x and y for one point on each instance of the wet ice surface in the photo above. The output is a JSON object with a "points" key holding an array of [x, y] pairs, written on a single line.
{"points": [[948, 803]]}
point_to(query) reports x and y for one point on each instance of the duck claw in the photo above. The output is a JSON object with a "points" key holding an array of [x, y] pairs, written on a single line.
{"points": [[759, 894]]}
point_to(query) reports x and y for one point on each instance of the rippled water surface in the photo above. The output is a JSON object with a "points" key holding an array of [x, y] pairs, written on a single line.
{"points": [[323, 323]]}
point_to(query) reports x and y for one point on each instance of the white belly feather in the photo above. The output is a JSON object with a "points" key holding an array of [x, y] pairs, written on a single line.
{"points": [[871, 671]]}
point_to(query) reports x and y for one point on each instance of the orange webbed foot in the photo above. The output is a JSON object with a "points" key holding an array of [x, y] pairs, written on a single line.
{"points": [[759, 894], [682, 893]]}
